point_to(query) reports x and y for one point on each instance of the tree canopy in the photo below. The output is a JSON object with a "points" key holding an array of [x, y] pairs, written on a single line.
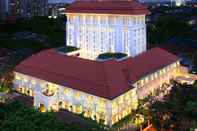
{"points": [[178, 111], [16, 116]]}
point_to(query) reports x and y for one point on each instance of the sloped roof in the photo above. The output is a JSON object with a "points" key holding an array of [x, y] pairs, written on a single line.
{"points": [[147, 63], [97, 78], [107, 79], [108, 7]]}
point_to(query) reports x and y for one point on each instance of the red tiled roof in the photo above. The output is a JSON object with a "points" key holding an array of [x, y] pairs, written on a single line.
{"points": [[108, 7], [105, 79], [93, 77], [147, 63]]}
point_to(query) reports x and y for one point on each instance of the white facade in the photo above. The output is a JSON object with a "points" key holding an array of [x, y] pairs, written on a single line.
{"points": [[60, 97], [54, 97], [96, 34]]}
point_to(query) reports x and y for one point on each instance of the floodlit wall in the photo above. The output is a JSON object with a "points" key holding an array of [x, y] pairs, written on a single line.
{"points": [[96, 34], [54, 97]]}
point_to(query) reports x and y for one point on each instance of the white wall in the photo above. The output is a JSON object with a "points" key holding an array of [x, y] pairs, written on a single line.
{"points": [[96, 34]]}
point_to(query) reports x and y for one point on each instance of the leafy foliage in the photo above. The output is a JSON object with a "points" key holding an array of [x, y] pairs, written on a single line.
{"points": [[13, 44], [179, 111], [18, 117], [112, 55], [167, 27], [4, 89], [38, 24], [67, 49]]}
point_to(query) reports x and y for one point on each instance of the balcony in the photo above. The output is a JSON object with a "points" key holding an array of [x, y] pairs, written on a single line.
{"points": [[48, 93], [48, 96]]}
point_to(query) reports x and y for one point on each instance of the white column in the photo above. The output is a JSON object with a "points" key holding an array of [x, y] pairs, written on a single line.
{"points": [[109, 112]]}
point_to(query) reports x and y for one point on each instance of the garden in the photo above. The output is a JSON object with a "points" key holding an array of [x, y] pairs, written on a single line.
{"points": [[109, 55], [16, 116], [178, 111], [67, 49]]}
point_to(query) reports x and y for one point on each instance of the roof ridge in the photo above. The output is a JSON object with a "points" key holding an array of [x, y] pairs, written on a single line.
{"points": [[108, 7]]}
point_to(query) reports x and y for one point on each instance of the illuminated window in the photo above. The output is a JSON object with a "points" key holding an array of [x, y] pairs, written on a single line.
{"points": [[138, 84], [17, 77], [25, 79], [90, 98], [168, 69], [127, 97], [66, 91], [152, 77], [33, 82], [160, 72], [146, 79], [156, 75], [114, 104], [101, 110], [126, 20], [142, 82], [164, 71], [78, 109], [121, 100], [102, 103], [77, 95]]}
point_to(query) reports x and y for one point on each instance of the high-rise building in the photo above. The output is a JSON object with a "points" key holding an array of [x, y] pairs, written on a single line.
{"points": [[12, 10], [172, 2], [4, 8], [31, 8], [57, 7]]}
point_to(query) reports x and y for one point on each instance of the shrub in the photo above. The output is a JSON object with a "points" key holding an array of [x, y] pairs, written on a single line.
{"points": [[112, 55]]}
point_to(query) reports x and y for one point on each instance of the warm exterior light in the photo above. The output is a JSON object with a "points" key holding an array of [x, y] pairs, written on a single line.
{"points": [[42, 108], [102, 90]]}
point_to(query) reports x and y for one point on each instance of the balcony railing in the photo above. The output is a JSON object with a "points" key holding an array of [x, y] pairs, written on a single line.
{"points": [[48, 93]]}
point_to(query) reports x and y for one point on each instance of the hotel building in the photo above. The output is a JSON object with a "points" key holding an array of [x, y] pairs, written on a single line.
{"points": [[102, 90], [99, 27]]}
